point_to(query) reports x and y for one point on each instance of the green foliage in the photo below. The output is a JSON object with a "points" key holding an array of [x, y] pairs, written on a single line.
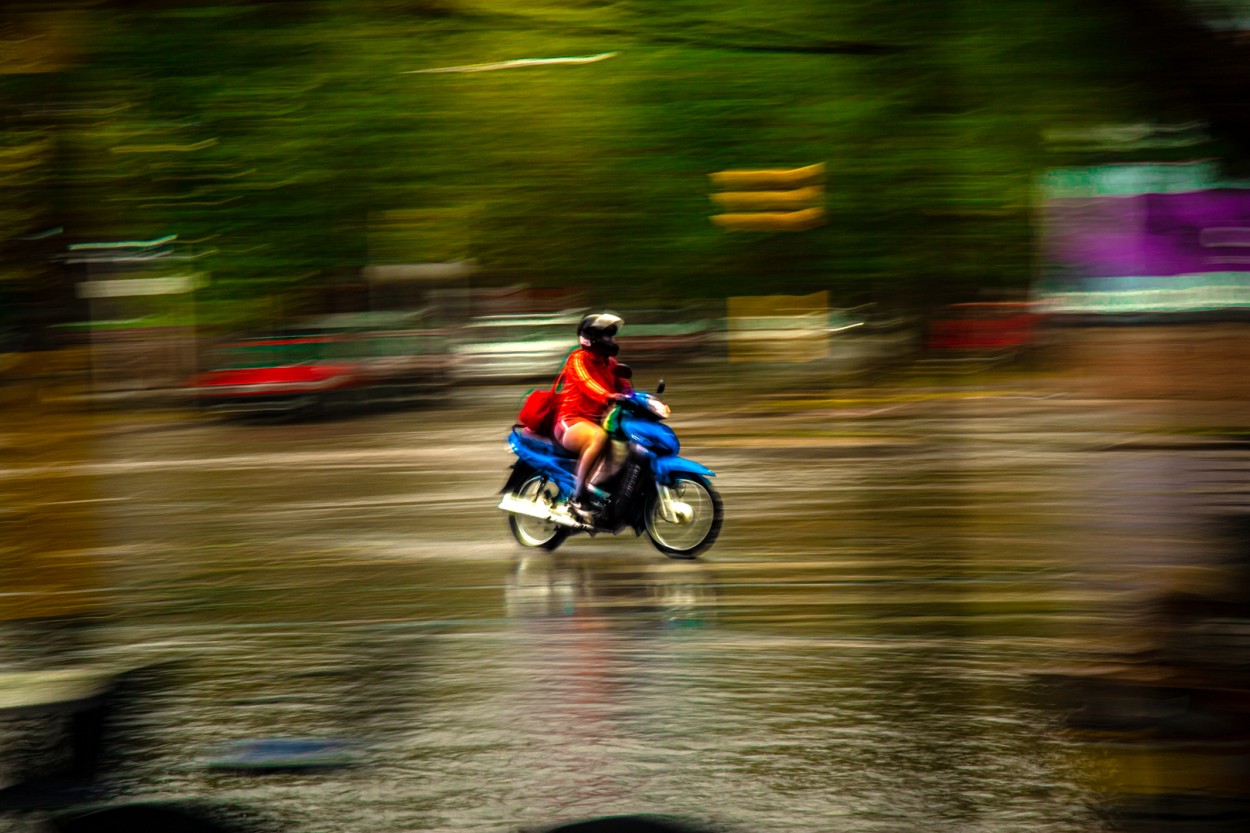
{"points": [[289, 141]]}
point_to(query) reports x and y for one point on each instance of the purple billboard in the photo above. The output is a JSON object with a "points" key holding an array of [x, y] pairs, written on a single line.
{"points": [[1177, 247]]}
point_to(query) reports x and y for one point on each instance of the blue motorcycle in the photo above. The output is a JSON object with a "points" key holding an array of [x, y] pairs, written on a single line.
{"points": [[653, 490]]}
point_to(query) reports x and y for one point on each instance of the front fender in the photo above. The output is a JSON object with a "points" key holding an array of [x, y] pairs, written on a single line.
{"points": [[665, 468]]}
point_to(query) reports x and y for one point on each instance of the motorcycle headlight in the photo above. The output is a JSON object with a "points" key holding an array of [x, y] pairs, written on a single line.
{"points": [[658, 407]]}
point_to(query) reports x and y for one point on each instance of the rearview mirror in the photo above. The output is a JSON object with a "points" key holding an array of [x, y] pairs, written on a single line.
{"points": [[623, 370], [659, 389]]}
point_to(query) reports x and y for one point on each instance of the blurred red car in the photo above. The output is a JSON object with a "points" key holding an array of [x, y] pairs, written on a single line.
{"points": [[347, 359], [984, 327]]}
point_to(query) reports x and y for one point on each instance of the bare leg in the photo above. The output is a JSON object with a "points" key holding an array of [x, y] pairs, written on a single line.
{"points": [[588, 440], [609, 462]]}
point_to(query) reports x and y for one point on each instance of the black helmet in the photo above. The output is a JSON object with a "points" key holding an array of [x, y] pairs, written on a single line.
{"points": [[597, 332]]}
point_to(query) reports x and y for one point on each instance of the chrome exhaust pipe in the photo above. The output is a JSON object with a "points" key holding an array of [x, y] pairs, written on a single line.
{"points": [[514, 504]]}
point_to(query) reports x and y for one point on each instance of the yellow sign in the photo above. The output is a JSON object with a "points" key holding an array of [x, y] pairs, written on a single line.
{"points": [[771, 200]]}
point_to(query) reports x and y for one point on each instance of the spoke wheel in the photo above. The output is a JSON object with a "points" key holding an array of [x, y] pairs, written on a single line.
{"points": [[536, 532], [689, 538]]}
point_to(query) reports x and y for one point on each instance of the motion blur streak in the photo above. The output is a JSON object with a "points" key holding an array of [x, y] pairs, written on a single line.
{"points": [[952, 296]]}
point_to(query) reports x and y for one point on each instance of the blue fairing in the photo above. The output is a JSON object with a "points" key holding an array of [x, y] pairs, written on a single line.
{"points": [[665, 467], [542, 456], [655, 436]]}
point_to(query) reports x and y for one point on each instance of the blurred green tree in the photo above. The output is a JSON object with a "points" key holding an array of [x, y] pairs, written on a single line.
{"points": [[281, 139]]}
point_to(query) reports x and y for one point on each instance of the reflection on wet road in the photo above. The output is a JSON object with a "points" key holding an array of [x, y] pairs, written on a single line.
{"points": [[859, 652]]}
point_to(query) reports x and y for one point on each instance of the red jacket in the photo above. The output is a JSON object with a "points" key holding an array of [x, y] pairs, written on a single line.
{"points": [[589, 383]]}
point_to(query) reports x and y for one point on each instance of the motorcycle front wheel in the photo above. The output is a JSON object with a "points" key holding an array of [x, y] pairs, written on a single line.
{"points": [[687, 536], [536, 532]]}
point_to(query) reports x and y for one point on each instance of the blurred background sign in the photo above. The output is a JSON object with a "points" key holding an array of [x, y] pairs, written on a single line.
{"points": [[770, 200], [135, 287], [1145, 238], [778, 328], [142, 326]]}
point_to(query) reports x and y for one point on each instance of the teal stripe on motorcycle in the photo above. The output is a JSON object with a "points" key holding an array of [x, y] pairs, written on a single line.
{"points": [[665, 468]]}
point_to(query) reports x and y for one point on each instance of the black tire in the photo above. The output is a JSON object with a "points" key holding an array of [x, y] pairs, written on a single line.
{"points": [[534, 532], [678, 540]]}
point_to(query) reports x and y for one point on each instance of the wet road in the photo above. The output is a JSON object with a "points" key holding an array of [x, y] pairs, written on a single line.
{"points": [[857, 653]]}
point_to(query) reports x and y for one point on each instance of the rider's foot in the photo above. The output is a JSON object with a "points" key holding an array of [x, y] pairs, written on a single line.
{"points": [[571, 510], [583, 508]]}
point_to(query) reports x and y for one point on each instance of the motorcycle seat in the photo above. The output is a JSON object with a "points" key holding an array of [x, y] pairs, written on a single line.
{"points": [[548, 443]]}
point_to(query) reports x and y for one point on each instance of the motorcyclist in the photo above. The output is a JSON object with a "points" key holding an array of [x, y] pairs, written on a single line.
{"points": [[593, 382]]}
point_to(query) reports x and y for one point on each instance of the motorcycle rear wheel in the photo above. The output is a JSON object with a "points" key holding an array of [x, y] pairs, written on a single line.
{"points": [[535, 532], [686, 540]]}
